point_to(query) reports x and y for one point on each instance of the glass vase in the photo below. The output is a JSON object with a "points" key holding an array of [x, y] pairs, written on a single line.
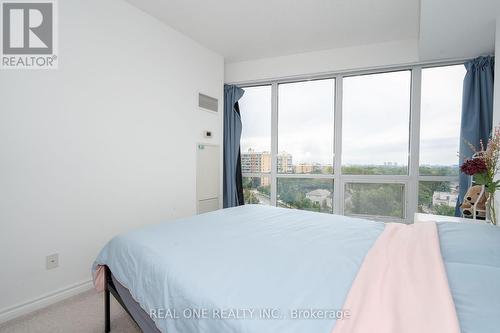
{"points": [[491, 209]]}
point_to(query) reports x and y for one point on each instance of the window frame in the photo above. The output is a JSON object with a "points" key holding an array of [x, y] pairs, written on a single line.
{"points": [[264, 174], [428, 178], [280, 174], [410, 181]]}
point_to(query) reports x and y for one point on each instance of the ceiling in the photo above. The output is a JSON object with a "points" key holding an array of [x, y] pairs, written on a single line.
{"points": [[244, 30]]}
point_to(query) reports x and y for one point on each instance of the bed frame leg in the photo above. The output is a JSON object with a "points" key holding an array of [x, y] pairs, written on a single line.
{"points": [[107, 319]]}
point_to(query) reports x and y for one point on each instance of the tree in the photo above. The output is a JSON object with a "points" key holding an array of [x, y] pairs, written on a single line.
{"points": [[376, 199], [264, 190], [293, 193], [426, 191], [444, 210], [250, 197]]}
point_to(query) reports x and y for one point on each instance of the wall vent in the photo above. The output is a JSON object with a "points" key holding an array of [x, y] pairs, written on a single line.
{"points": [[208, 103]]}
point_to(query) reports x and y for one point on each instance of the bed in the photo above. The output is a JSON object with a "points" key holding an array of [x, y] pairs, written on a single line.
{"points": [[265, 269]]}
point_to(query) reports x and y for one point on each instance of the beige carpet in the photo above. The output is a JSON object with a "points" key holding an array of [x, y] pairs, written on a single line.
{"points": [[83, 313]]}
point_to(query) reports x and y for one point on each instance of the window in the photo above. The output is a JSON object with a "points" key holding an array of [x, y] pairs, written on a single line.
{"points": [[305, 127], [437, 197], [308, 194], [375, 128], [378, 200], [346, 144], [305, 144], [441, 108], [255, 111], [257, 190]]}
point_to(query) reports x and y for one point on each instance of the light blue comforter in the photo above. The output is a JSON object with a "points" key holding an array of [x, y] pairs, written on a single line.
{"points": [[265, 269]]}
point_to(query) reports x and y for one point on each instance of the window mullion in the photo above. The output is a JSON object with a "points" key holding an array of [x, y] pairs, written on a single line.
{"points": [[414, 154], [438, 178], [274, 142], [338, 187]]}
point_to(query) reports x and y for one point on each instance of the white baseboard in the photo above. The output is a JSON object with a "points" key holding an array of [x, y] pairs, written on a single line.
{"points": [[43, 301]]}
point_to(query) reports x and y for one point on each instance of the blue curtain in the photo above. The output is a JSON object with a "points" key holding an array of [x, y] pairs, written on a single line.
{"points": [[477, 113], [232, 135]]}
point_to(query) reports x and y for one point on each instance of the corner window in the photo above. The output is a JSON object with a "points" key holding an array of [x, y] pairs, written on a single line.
{"points": [[344, 144]]}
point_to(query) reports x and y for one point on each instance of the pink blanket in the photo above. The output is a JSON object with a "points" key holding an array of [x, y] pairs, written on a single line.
{"points": [[100, 278], [402, 286]]}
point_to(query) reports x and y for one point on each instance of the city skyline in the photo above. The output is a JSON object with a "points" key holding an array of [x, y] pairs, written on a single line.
{"points": [[281, 154]]}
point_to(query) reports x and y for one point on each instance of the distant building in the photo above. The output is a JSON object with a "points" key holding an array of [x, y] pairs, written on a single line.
{"points": [[321, 197], [304, 168], [444, 198], [255, 162], [284, 163], [259, 162]]}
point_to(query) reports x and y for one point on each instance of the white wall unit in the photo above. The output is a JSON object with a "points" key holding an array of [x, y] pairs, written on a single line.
{"points": [[100, 146], [207, 177], [208, 205]]}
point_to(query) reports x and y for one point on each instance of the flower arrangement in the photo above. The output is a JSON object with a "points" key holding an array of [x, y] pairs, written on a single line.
{"points": [[474, 166], [483, 166]]}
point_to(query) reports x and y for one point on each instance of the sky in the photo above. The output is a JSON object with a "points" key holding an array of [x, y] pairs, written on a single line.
{"points": [[375, 119]]}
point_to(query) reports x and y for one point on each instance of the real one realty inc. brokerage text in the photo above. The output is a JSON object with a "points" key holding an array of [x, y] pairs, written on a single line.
{"points": [[249, 313]]}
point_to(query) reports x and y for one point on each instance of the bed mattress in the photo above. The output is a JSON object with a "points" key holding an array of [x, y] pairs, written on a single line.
{"points": [[279, 262]]}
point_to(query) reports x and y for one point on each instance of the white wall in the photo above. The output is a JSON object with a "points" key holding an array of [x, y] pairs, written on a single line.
{"points": [[104, 144], [340, 59], [452, 29]]}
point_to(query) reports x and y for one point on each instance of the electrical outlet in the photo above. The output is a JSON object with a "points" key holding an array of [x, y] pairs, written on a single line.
{"points": [[52, 261]]}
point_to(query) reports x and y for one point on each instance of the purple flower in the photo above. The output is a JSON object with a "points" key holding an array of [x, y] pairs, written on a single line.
{"points": [[474, 166]]}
